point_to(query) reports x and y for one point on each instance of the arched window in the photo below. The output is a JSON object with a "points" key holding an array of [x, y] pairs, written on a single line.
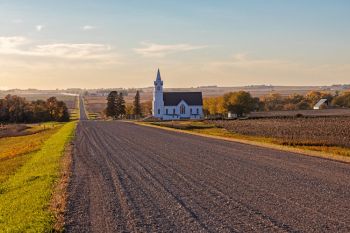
{"points": [[182, 109]]}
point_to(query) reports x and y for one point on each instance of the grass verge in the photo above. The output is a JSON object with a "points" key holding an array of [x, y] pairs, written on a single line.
{"points": [[16, 151], [207, 130], [25, 197]]}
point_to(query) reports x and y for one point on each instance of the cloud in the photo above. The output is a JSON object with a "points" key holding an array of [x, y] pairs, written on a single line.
{"points": [[12, 45], [39, 27], [82, 51], [88, 27], [160, 50], [242, 60]]}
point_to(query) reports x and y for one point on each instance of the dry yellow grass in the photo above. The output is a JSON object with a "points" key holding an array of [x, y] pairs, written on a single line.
{"points": [[13, 146]]}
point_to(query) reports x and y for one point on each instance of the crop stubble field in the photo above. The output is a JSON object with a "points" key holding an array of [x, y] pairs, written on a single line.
{"points": [[320, 131]]}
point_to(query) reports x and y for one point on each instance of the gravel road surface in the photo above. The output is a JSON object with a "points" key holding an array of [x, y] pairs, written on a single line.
{"points": [[130, 178]]}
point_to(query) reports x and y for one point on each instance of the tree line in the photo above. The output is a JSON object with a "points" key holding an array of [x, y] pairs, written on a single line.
{"points": [[15, 109], [242, 102], [118, 109]]}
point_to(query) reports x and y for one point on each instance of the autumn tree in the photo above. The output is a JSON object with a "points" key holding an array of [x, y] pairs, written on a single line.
{"points": [[146, 108], [239, 103], [213, 106], [272, 102], [62, 114], [296, 102], [342, 100], [314, 96], [129, 109], [16, 109]]}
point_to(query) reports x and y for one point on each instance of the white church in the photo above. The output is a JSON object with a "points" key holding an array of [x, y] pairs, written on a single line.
{"points": [[175, 105]]}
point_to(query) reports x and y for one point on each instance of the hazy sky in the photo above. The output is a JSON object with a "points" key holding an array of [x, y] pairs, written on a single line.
{"points": [[119, 43]]}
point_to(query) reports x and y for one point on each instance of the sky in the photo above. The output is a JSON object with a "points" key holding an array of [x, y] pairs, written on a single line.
{"points": [[49, 44]]}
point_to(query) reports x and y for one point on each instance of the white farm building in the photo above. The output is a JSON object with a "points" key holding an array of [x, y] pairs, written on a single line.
{"points": [[320, 103], [175, 105]]}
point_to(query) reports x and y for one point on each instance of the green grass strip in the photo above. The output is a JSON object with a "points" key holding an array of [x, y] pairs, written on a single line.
{"points": [[25, 196]]}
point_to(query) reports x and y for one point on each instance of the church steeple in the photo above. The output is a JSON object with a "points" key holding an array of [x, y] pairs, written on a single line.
{"points": [[158, 76], [158, 103], [158, 81]]}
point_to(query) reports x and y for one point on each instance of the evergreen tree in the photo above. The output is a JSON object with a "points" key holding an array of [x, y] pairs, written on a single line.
{"points": [[111, 110], [137, 105], [120, 106]]}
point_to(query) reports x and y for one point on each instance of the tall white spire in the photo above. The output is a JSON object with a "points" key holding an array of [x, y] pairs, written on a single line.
{"points": [[158, 81], [158, 76], [158, 103]]}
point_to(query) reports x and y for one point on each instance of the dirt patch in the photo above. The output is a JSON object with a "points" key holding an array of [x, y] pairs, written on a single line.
{"points": [[13, 130], [59, 197]]}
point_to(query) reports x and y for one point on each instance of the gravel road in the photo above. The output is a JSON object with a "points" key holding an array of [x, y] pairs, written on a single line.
{"points": [[130, 178]]}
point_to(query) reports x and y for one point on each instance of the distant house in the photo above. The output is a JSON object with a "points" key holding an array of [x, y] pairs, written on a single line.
{"points": [[320, 103], [231, 115], [175, 105]]}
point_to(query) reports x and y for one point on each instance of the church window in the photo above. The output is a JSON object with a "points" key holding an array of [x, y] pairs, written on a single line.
{"points": [[158, 111], [191, 111], [166, 110], [158, 88], [197, 110], [182, 109], [174, 111]]}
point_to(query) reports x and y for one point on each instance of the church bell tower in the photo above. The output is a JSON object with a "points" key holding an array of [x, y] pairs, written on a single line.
{"points": [[158, 103]]}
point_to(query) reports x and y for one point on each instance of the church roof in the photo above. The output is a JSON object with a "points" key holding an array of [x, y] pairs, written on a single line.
{"points": [[174, 98]]}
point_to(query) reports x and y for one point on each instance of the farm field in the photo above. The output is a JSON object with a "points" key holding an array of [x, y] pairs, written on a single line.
{"points": [[94, 106], [325, 134], [293, 113]]}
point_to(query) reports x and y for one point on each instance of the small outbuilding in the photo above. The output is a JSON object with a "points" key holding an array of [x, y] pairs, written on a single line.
{"points": [[319, 104], [231, 115]]}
